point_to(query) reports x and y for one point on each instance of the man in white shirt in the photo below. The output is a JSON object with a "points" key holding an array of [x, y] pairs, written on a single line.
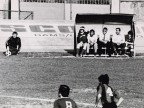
{"points": [[104, 40], [92, 41], [119, 42]]}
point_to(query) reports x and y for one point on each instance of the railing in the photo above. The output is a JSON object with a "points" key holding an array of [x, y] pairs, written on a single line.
{"points": [[23, 15], [103, 2]]}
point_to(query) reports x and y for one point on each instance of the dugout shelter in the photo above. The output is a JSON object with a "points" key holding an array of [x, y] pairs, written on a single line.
{"points": [[99, 21]]}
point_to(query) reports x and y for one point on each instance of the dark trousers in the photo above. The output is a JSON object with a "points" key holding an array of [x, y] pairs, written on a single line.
{"points": [[121, 46], [108, 45], [13, 50], [110, 105]]}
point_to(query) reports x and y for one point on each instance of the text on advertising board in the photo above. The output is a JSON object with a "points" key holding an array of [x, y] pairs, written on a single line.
{"points": [[38, 28]]}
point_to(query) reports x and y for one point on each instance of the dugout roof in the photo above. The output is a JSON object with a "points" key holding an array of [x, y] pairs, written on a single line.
{"points": [[104, 18]]}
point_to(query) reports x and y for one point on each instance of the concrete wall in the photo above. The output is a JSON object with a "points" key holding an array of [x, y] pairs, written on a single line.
{"points": [[57, 11], [44, 11], [3, 6], [85, 8]]}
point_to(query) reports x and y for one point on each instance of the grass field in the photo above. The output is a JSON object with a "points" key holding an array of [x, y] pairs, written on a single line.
{"points": [[33, 82]]}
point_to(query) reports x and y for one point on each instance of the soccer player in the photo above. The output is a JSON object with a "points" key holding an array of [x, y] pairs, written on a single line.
{"points": [[106, 95], [64, 101], [119, 42], [104, 40], [92, 41], [81, 41], [130, 43], [13, 44]]}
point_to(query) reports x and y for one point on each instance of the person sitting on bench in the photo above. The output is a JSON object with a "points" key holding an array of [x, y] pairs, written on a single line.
{"points": [[92, 41], [104, 40], [129, 43], [119, 42], [81, 42]]}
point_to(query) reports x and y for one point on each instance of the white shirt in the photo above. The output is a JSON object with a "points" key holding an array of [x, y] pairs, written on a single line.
{"points": [[118, 38], [105, 37], [92, 39], [109, 91]]}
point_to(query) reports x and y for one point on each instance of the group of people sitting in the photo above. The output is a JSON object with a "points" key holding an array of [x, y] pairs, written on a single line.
{"points": [[114, 44]]}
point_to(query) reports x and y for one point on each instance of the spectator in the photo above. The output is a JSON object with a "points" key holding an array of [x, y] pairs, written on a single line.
{"points": [[104, 40], [106, 95], [119, 42], [130, 43], [81, 41], [64, 101], [92, 41], [13, 44]]}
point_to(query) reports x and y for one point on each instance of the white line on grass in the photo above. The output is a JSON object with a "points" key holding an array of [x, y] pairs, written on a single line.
{"points": [[82, 57], [39, 99]]}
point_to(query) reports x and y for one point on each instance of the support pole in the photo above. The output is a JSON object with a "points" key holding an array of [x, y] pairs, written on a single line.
{"points": [[9, 9], [115, 6], [70, 9], [19, 9]]}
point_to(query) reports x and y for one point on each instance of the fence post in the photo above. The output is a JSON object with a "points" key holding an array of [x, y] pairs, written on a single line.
{"points": [[9, 9], [64, 10], [19, 9], [70, 9]]}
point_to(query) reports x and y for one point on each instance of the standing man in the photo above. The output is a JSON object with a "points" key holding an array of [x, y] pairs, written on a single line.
{"points": [[64, 101], [13, 45], [81, 42], [104, 40], [119, 42], [92, 41]]}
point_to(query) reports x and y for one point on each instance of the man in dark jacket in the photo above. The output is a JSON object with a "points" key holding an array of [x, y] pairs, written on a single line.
{"points": [[13, 45], [81, 41]]}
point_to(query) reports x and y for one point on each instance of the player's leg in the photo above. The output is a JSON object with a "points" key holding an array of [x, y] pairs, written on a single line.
{"points": [[79, 45], [8, 52], [100, 44], [110, 48], [115, 46], [122, 47], [88, 48], [95, 48], [84, 49], [14, 51]]}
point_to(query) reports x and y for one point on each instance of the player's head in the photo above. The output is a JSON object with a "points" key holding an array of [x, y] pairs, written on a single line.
{"points": [[104, 79], [64, 91], [105, 30], [118, 30], [14, 34], [130, 33], [82, 30], [92, 32]]}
